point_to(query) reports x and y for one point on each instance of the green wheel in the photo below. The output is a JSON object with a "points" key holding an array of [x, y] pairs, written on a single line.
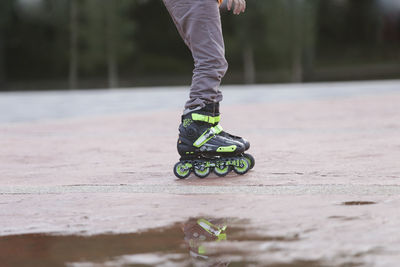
{"points": [[244, 166], [222, 170], [251, 159], [182, 170], [201, 171]]}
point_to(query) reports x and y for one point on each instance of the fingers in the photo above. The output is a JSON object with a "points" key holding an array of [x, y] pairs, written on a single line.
{"points": [[240, 6], [230, 4]]}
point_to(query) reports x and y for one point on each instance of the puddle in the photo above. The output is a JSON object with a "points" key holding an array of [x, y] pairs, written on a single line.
{"points": [[196, 242], [358, 203], [344, 218]]}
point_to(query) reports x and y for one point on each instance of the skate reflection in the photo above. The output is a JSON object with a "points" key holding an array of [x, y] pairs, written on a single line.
{"points": [[199, 232]]}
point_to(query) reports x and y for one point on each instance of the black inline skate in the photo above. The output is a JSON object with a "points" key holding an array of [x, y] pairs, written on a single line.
{"points": [[204, 147]]}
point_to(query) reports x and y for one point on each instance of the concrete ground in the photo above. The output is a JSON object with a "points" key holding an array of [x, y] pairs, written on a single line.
{"points": [[321, 150]]}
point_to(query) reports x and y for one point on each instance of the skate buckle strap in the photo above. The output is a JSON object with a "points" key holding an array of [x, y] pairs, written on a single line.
{"points": [[205, 137], [205, 118]]}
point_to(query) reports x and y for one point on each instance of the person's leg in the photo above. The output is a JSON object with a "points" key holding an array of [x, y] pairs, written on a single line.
{"points": [[199, 24], [202, 143]]}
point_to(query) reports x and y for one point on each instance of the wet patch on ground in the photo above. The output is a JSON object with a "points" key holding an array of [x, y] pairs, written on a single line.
{"points": [[358, 203], [195, 242], [344, 218]]}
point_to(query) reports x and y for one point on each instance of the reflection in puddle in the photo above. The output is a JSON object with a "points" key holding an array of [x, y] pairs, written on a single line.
{"points": [[196, 242], [198, 232]]}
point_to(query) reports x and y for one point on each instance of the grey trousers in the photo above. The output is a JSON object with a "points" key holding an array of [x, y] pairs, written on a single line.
{"points": [[199, 24]]}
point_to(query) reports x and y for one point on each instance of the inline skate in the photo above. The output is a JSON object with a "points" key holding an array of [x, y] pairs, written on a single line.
{"points": [[204, 146]]}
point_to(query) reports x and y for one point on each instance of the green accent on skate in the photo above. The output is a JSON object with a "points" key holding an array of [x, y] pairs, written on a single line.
{"points": [[205, 137], [188, 165], [188, 153], [218, 129], [209, 164], [231, 148], [243, 165], [182, 170], [212, 229], [222, 169], [233, 162], [221, 166], [221, 237], [205, 118], [187, 122], [202, 172], [201, 250]]}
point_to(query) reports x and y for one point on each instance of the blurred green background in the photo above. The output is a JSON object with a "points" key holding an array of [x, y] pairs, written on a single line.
{"points": [[61, 44]]}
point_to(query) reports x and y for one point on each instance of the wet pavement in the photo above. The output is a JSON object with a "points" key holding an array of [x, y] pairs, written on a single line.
{"points": [[196, 241], [98, 189], [269, 230], [201, 241]]}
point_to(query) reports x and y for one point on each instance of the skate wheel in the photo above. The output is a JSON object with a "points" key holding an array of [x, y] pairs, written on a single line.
{"points": [[243, 167], [202, 172], [222, 171], [251, 159], [181, 170]]}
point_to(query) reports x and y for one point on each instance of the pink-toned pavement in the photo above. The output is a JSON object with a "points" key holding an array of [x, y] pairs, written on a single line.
{"points": [[114, 173]]}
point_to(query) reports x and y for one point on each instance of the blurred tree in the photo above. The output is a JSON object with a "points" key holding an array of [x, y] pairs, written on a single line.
{"points": [[105, 36], [5, 15], [111, 42], [73, 58], [36, 40], [349, 31], [363, 22], [281, 33], [102, 42], [162, 51], [303, 13], [250, 34]]}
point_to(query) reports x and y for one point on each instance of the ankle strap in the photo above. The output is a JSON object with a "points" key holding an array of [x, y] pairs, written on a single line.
{"points": [[205, 118]]}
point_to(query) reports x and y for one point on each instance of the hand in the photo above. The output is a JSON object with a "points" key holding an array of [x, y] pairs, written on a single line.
{"points": [[240, 6]]}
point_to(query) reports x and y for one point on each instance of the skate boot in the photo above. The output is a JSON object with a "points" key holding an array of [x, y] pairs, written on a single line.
{"points": [[203, 149]]}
